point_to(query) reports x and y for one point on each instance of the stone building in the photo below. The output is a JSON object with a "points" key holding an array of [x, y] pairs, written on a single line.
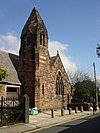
{"points": [[43, 78], [10, 86]]}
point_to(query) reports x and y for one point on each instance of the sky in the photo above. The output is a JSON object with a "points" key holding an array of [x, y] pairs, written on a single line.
{"points": [[73, 29]]}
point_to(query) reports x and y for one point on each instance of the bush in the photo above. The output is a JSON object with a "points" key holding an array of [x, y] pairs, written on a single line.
{"points": [[86, 106]]}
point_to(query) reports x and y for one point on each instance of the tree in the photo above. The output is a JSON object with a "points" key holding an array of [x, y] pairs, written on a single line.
{"points": [[84, 91], [3, 74], [84, 87], [78, 76]]}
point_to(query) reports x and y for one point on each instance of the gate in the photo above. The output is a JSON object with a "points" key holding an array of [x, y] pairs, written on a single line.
{"points": [[12, 111]]}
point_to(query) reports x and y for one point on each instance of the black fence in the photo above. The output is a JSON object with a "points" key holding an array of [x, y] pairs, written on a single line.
{"points": [[12, 111]]}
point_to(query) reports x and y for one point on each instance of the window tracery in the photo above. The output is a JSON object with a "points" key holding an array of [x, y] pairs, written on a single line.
{"points": [[59, 85]]}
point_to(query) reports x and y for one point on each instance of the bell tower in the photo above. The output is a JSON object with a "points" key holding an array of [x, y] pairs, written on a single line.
{"points": [[34, 45]]}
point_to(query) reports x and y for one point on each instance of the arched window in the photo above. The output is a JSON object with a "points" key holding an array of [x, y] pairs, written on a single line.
{"points": [[59, 85], [42, 38]]}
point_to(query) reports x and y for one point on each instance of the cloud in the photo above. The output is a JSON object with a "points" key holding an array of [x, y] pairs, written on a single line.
{"points": [[9, 42], [67, 61]]}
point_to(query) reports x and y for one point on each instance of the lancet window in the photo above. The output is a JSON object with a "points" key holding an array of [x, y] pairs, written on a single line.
{"points": [[59, 85], [42, 39]]}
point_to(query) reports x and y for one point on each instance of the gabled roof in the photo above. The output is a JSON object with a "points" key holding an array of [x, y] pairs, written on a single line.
{"points": [[9, 62], [52, 60]]}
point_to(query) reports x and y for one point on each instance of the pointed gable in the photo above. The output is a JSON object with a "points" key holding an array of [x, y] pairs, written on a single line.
{"points": [[53, 59], [34, 21]]}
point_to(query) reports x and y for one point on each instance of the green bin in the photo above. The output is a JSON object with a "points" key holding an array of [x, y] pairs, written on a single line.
{"points": [[33, 111]]}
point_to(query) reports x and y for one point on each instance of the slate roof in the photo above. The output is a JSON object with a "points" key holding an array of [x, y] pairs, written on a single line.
{"points": [[52, 60], [9, 62]]}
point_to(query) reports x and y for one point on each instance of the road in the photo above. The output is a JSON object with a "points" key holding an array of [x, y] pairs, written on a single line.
{"points": [[90, 124]]}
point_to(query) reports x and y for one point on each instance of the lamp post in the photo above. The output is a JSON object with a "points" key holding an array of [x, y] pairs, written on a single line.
{"points": [[98, 50], [96, 95]]}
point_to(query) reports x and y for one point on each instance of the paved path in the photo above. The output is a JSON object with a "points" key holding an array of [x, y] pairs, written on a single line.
{"points": [[44, 120]]}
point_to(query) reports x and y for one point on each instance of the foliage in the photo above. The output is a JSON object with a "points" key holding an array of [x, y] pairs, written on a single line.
{"points": [[3, 74], [78, 76], [84, 91]]}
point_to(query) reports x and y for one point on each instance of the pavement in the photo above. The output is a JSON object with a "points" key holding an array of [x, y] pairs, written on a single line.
{"points": [[44, 120]]}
